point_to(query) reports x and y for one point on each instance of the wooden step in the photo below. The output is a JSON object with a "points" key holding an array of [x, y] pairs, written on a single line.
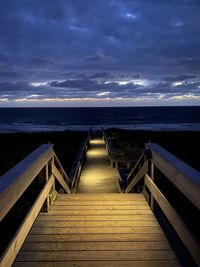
{"points": [[97, 230]]}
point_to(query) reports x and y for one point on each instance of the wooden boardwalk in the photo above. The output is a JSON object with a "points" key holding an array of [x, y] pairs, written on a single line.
{"points": [[97, 230], [98, 226], [97, 175]]}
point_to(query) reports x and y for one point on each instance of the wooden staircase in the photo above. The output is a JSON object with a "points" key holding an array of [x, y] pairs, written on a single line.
{"points": [[97, 230]]}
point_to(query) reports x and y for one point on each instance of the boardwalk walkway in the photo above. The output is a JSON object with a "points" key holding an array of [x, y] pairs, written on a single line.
{"points": [[98, 226], [97, 175], [93, 230]]}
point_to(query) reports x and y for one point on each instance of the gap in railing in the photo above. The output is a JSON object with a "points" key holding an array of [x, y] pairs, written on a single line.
{"points": [[12, 221], [186, 210]]}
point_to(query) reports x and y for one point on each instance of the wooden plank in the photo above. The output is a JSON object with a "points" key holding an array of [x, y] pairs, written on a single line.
{"points": [[96, 175], [47, 217], [181, 229], [15, 181], [184, 177], [61, 167], [96, 230], [60, 179], [137, 177], [102, 196], [96, 255], [135, 166], [141, 263], [97, 203], [96, 237], [100, 212], [89, 246], [9, 255], [100, 207], [152, 202], [39, 223]]}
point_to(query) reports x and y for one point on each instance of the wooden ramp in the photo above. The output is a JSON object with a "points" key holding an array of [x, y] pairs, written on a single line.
{"points": [[97, 175], [97, 230]]}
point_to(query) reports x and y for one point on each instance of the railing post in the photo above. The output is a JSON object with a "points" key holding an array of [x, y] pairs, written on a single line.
{"points": [[148, 156], [43, 179], [152, 201], [53, 192], [45, 207], [51, 168]]}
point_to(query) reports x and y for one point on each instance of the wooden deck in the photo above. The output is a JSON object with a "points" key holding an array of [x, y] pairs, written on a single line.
{"points": [[97, 175], [98, 227], [97, 230]]}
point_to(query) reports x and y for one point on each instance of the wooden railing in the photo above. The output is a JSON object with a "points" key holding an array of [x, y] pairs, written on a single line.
{"points": [[121, 156], [16, 181], [77, 165], [112, 154], [183, 177], [106, 142]]}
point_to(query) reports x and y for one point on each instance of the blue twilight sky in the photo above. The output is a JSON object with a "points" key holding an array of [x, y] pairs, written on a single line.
{"points": [[99, 52]]}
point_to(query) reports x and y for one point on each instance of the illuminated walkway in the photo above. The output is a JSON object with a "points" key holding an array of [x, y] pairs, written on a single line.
{"points": [[97, 175]]}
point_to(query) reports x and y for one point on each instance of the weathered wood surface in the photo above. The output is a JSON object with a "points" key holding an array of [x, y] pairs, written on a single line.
{"points": [[77, 165], [15, 182], [104, 263], [60, 179], [184, 177], [93, 239], [181, 229], [137, 177], [97, 175], [9, 255]]}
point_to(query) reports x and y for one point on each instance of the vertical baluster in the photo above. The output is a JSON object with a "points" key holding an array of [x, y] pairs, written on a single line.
{"points": [[152, 201], [43, 179]]}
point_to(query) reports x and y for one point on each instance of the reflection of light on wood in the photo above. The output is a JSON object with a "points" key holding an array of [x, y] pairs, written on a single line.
{"points": [[97, 174], [96, 153], [97, 142]]}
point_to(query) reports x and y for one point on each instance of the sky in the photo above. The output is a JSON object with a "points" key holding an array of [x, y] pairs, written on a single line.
{"points": [[99, 53]]}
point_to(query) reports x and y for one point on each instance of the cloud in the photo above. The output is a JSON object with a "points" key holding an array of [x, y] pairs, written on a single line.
{"points": [[97, 89], [88, 43], [98, 57], [179, 78], [100, 75]]}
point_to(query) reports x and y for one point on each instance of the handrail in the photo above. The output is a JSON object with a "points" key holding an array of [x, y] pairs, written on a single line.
{"points": [[17, 180], [141, 172], [60, 174], [184, 177], [141, 158], [65, 176], [106, 142], [187, 237], [137, 173], [16, 243], [77, 165]]}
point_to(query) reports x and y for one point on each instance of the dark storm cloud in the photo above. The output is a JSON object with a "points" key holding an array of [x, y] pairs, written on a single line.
{"points": [[179, 78], [101, 75], [89, 42], [95, 87], [81, 88]]}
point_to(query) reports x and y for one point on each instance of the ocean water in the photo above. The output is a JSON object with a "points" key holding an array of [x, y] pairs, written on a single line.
{"points": [[134, 118]]}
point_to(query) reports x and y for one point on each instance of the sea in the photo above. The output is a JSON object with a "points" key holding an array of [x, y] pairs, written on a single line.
{"points": [[185, 118]]}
